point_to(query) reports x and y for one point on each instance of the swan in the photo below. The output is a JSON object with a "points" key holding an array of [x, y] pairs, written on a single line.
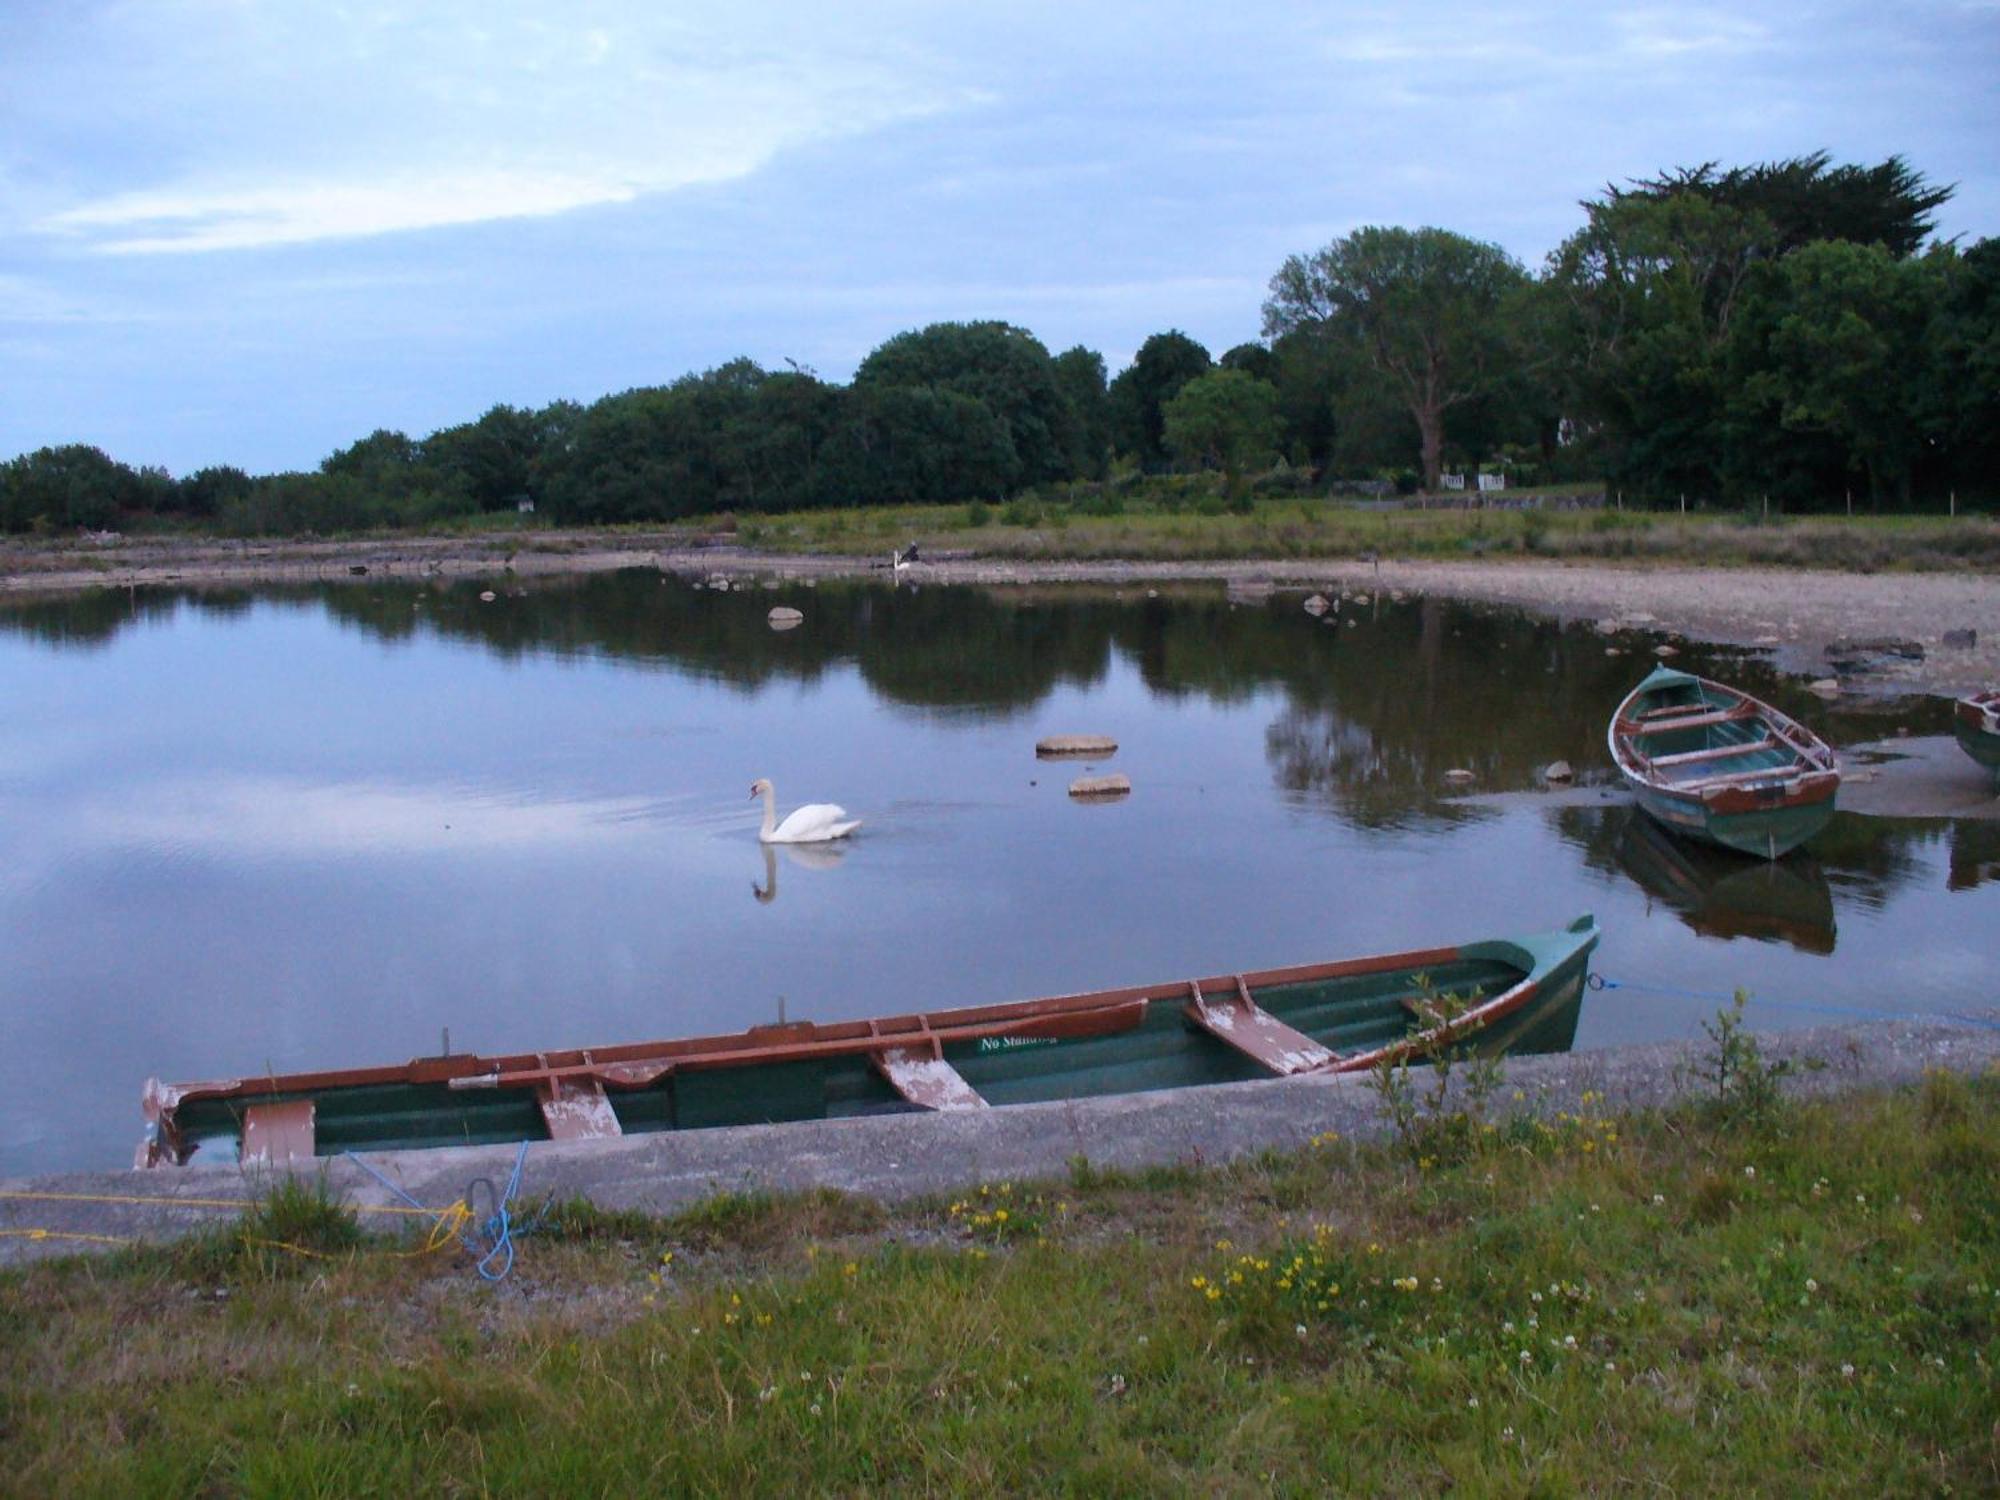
{"points": [[812, 824]]}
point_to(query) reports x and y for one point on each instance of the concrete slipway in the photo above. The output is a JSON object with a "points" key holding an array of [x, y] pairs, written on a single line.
{"points": [[905, 1156]]}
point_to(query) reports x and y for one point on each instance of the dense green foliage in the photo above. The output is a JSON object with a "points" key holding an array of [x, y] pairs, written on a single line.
{"points": [[1786, 331], [1803, 1301]]}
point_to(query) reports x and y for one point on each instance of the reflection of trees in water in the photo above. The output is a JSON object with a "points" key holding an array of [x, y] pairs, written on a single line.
{"points": [[1375, 712], [94, 619], [1863, 860]]}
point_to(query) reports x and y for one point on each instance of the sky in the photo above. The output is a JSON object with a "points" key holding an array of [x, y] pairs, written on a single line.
{"points": [[252, 231]]}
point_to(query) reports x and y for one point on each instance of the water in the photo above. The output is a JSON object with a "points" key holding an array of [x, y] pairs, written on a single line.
{"points": [[288, 829]]}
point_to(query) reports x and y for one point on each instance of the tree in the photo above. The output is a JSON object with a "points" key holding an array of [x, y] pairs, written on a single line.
{"points": [[909, 445], [493, 459], [1251, 359], [1427, 304], [1803, 200], [1964, 401], [74, 485], [1005, 368], [1080, 375], [1836, 345], [1225, 418], [206, 492], [1165, 362]]}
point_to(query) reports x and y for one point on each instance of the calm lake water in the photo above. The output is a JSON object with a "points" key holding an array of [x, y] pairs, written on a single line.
{"points": [[289, 829]]}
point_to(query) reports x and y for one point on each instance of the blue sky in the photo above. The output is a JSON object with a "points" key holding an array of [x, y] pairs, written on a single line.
{"points": [[250, 231]]}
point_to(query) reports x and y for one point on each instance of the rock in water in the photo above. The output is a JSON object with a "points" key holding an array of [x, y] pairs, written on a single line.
{"points": [[784, 617], [1076, 746], [1558, 770], [1115, 785], [1826, 687], [1459, 775], [1317, 605]]}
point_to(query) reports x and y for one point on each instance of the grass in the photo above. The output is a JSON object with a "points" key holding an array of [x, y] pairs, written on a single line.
{"points": [[1297, 529], [1170, 521], [1803, 1301]]}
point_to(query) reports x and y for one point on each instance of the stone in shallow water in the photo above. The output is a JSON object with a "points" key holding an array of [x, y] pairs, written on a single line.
{"points": [[1116, 785], [1087, 746], [784, 617]]}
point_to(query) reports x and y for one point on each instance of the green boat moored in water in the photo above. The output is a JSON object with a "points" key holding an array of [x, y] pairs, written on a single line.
{"points": [[1713, 763], [1517, 995]]}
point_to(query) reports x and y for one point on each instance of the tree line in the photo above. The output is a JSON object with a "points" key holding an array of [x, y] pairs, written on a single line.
{"points": [[1788, 330]]}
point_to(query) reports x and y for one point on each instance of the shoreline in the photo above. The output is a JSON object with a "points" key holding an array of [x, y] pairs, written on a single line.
{"points": [[905, 1157], [1795, 615]]}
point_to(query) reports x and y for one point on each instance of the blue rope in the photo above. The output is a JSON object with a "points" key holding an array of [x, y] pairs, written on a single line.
{"points": [[495, 1232], [489, 1239], [1958, 1018]]}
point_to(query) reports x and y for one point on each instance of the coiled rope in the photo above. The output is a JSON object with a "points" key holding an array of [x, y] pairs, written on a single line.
{"points": [[487, 1237]]}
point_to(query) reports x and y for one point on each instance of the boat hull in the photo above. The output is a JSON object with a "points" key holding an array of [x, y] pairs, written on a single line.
{"points": [[1513, 995], [1767, 832]]}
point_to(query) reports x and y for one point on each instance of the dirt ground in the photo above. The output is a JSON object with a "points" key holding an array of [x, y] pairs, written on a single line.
{"points": [[1794, 614]]}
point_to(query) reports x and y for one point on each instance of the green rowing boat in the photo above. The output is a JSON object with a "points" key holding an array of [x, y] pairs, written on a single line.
{"points": [[1713, 763], [1509, 995]]}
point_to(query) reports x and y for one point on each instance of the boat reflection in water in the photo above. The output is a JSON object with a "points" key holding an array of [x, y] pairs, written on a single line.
{"points": [[1721, 894], [1975, 854]]}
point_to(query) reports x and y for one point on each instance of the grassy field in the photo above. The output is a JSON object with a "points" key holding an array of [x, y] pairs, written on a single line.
{"points": [[1036, 531], [1174, 520], [1790, 1299]]}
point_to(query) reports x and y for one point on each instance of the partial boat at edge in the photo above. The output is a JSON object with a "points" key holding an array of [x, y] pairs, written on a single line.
{"points": [[1976, 721]]}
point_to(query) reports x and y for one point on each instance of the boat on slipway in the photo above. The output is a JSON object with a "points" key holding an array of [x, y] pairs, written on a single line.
{"points": [[1505, 995], [1711, 762]]}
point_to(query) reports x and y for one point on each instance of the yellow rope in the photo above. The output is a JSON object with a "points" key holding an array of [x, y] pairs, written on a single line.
{"points": [[147, 1202], [444, 1232], [61, 1234]]}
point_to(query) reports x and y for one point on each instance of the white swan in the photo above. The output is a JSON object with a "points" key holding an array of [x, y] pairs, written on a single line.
{"points": [[812, 824]]}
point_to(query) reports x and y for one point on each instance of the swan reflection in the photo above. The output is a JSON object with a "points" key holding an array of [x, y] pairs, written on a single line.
{"points": [[806, 856]]}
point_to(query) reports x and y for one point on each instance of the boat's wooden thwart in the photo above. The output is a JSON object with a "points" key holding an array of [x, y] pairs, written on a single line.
{"points": [[1976, 720], [1257, 1034], [1714, 763], [1517, 995]]}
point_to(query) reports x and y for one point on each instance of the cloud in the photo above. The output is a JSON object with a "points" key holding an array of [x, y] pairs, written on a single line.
{"points": [[265, 817], [191, 218], [389, 123], [1659, 35]]}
